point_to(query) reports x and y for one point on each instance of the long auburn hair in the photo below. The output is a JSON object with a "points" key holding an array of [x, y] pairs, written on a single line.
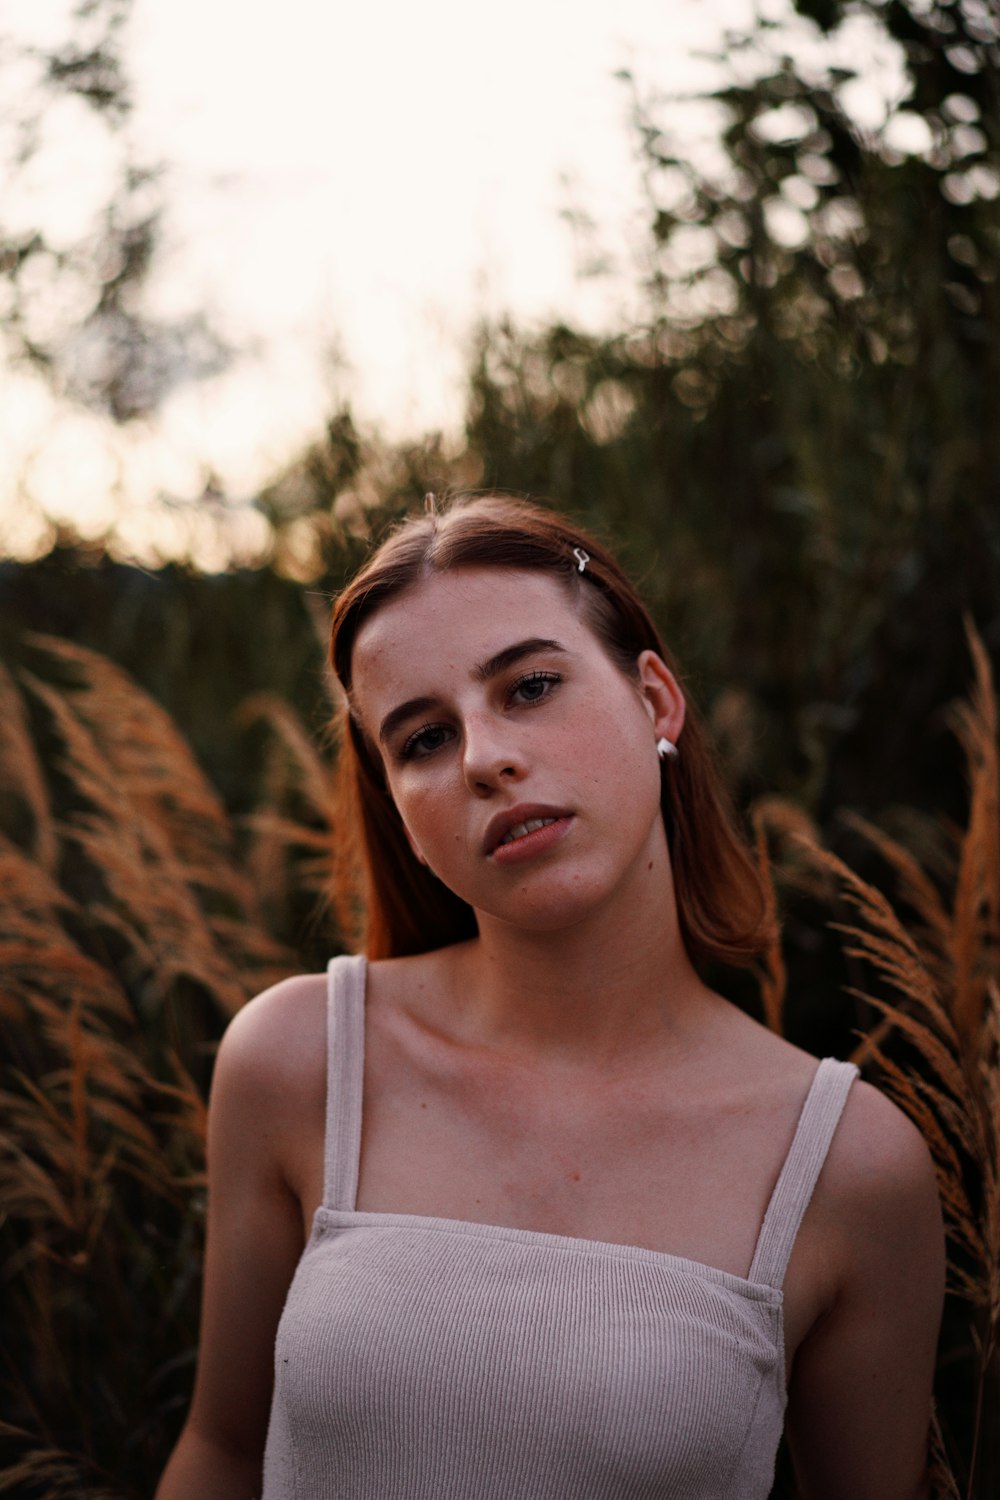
{"points": [[391, 904]]}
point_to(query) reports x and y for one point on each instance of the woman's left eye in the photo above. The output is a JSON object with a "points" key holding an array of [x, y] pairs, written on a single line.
{"points": [[535, 687]]}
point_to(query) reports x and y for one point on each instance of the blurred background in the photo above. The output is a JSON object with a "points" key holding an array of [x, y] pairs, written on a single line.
{"points": [[721, 280]]}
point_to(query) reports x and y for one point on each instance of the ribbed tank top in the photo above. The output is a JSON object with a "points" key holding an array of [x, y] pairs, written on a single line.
{"points": [[421, 1358]]}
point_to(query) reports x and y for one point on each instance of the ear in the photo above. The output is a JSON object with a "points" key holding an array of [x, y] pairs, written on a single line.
{"points": [[661, 695]]}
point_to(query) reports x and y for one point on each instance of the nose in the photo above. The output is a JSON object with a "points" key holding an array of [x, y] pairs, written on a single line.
{"points": [[491, 755]]}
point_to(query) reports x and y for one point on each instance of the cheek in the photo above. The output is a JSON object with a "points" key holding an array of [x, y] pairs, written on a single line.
{"points": [[435, 829], [426, 814], [618, 752], [617, 733]]}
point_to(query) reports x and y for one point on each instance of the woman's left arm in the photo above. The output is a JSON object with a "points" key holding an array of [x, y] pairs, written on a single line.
{"points": [[860, 1392]]}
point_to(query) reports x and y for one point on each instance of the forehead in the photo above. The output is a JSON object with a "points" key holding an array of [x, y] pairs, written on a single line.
{"points": [[451, 621]]}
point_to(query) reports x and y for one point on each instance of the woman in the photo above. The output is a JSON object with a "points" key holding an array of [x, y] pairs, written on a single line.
{"points": [[597, 1220]]}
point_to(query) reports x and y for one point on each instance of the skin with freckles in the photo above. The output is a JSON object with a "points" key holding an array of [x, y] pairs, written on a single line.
{"points": [[566, 1070]]}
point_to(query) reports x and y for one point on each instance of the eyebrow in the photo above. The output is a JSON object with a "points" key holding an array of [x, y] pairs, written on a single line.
{"points": [[485, 672]]}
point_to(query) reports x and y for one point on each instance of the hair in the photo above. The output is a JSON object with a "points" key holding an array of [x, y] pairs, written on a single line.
{"points": [[390, 903]]}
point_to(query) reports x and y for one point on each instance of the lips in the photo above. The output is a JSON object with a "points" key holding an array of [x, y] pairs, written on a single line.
{"points": [[531, 826], [517, 822]]}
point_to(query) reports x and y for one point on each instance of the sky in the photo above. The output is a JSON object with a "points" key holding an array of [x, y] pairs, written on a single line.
{"points": [[347, 189]]}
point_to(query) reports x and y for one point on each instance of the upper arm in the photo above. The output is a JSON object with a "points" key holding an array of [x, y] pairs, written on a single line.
{"points": [[255, 1224], [860, 1393]]}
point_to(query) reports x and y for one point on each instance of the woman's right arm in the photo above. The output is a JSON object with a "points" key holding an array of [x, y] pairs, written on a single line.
{"points": [[259, 1099]]}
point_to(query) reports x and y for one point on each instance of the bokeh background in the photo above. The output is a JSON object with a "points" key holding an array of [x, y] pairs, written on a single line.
{"points": [[721, 281]]}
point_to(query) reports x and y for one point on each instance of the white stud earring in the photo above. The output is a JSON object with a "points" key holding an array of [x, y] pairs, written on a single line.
{"points": [[666, 749]]}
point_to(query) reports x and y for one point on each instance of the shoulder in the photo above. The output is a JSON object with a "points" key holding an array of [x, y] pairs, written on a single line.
{"points": [[860, 1396], [272, 1057], [878, 1192], [877, 1157], [877, 1149], [275, 1028]]}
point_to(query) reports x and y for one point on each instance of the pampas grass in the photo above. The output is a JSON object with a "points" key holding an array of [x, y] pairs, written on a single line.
{"points": [[934, 1046], [130, 930]]}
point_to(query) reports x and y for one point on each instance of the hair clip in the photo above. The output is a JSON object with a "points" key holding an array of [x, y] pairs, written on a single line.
{"points": [[582, 558], [430, 504]]}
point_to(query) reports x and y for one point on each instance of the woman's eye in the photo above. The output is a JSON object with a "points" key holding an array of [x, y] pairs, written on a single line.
{"points": [[424, 742], [535, 687]]}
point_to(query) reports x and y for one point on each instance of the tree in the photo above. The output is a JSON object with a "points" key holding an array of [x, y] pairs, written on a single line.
{"points": [[73, 291]]}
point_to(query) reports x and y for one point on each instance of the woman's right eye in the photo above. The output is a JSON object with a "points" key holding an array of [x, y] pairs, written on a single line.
{"points": [[424, 742]]}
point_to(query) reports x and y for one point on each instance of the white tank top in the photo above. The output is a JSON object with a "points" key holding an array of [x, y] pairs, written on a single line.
{"points": [[420, 1358]]}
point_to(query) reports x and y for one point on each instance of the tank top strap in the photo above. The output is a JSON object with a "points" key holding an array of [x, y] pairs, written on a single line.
{"points": [[345, 1069], [821, 1112]]}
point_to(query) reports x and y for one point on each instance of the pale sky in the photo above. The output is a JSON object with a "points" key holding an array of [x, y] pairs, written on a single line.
{"points": [[364, 179]]}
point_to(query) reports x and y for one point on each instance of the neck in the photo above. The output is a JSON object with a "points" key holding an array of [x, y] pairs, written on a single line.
{"points": [[607, 987]]}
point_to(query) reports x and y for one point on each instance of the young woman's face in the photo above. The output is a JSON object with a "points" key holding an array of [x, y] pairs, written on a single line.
{"points": [[521, 759]]}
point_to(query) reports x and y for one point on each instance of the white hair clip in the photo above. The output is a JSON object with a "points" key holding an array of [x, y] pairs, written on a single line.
{"points": [[582, 558]]}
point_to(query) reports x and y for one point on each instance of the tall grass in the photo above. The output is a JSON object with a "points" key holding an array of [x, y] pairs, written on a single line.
{"points": [[130, 930], [930, 1037], [136, 916]]}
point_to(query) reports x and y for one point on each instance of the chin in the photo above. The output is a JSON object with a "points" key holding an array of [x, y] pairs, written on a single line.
{"points": [[541, 910]]}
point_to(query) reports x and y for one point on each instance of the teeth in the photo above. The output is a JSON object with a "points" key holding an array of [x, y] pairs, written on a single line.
{"points": [[520, 829]]}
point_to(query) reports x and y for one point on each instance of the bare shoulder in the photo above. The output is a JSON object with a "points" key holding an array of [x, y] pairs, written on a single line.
{"points": [[878, 1193], [873, 1241], [876, 1198], [274, 1049], [877, 1158], [280, 1021], [878, 1152]]}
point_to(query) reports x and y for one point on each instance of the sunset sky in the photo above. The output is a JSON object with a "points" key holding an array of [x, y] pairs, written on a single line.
{"points": [[347, 190]]}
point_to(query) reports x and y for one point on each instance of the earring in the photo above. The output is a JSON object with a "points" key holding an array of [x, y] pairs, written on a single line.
{"points": [[666, 749]]}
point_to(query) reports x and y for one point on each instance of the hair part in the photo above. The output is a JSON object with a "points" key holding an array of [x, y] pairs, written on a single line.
{"points": [[391, 904]]}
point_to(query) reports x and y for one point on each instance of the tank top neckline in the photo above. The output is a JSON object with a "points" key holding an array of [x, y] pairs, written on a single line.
{"points": [[790, 1197], [352, 1218]]}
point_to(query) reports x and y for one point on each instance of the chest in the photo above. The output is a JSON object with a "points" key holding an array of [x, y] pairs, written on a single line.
{"points": [[622, 1160], [618, 1158]]}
